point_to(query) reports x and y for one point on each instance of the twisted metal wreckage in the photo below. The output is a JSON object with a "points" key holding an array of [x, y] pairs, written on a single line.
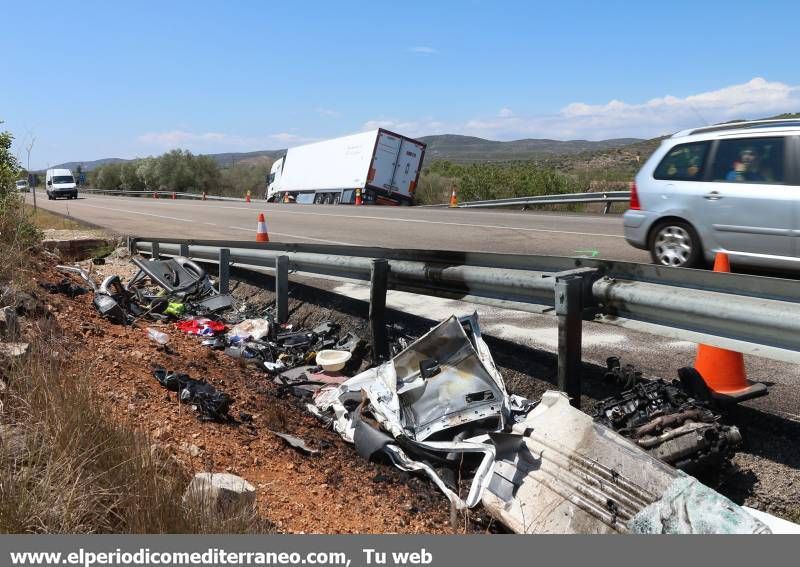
{"points": [[439, 406]]}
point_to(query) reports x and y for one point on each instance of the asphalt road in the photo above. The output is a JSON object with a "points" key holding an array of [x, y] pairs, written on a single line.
{"points": [[406, 227], [443, 229]]}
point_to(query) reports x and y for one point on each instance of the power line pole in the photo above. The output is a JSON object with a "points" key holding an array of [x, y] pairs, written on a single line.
{"points": [[29, 147]]}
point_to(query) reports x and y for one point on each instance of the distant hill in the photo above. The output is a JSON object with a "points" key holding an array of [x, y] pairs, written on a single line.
{"points": [[88, 165], [466, 149], [452, 147]]}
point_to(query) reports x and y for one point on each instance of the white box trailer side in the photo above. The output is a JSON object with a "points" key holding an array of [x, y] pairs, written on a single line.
{"points": [[384, 165]]}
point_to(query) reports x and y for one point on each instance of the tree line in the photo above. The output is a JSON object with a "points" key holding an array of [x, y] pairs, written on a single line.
{"points": [[182, 171], [483, 181]]}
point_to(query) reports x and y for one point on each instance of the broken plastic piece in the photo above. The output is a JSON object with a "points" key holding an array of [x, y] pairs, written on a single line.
{"points": [[295, 442], [250, 329], [108, 307], [175, 309]]}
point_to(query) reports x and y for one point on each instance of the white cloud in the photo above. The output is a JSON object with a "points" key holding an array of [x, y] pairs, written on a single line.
{"points": [[423, 49], [285, 137], [412, 128], [212, 142], [505, 112], [327, 112], [756, 98], [174, 138]]}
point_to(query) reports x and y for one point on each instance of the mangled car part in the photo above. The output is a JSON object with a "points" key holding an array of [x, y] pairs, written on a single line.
{"points": [[211, 404], [426, 403], [667, 421], [558, 471]]}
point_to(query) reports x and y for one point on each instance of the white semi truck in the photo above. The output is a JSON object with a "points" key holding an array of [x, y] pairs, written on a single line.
{"points": [[383, 165]]}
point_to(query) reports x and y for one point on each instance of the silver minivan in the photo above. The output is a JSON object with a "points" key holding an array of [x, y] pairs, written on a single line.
{"points": [[731, 188]]}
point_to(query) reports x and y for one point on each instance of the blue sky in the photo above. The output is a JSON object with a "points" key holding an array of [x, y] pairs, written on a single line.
{"points": [[124, 79]]}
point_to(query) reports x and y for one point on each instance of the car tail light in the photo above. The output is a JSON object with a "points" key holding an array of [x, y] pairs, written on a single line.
{"points": [[635, 205]]}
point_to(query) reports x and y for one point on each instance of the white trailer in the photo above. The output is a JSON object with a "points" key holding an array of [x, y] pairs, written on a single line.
{"points": [[385, 166]]}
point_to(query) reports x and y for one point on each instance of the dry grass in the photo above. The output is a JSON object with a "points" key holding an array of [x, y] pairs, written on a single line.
{"points": [[65, 465], [44, 219], [80, 472]]}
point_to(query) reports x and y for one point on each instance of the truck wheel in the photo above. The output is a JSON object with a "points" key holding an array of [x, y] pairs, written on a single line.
{"points": [[327, 200], [336, 198], [318, 199]]}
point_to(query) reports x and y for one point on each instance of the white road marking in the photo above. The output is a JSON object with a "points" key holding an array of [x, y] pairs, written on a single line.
{"points": [[421, 221], [462, 224], [144, 214]]}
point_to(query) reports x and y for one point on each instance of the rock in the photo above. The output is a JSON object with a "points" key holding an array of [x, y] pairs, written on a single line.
{"points": [[13, 351], [9, 325], [220, 493], [30, 304], [189, 449]]}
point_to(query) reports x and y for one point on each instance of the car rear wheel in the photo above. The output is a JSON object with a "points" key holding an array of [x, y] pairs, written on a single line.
{"points": [[675, 244]]}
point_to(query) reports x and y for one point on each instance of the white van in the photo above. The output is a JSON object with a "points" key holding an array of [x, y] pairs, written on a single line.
{"points": [[60, 183]]}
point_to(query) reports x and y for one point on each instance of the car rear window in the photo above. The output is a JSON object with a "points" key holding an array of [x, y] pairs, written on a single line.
{"points": [[749, 160], [684, 162]]}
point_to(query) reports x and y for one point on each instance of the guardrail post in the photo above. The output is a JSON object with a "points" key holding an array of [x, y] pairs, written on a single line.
{"points": [[573, 302], [184, 250], [223, 285], [607, 208], [154, 252], [568, 309], [131, 245], [379, 280], [282, 288]]}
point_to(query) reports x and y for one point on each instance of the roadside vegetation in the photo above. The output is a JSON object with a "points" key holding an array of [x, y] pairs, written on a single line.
{"points": [[66, 465], [182, 171]]}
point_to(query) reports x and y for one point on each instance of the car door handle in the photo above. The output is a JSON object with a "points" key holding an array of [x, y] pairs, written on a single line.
{"points": [[713, 196]]}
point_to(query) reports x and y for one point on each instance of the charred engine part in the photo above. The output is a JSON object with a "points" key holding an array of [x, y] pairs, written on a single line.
{"points": [[673, 421]]}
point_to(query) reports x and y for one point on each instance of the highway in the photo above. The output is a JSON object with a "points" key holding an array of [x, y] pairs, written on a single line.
{"points": [[402, 227], [443, 229]]}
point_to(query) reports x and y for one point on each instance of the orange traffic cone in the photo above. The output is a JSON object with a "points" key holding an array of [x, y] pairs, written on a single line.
{"points": [[261, 232], [722, 369], [453, 199], [359, 201], [247, 198]]}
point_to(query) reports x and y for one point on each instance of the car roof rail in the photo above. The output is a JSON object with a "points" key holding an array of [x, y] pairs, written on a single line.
{"points": [[742, 125]]}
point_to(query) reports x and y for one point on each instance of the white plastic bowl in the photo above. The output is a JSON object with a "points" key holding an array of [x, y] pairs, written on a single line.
{"points": [[333, 360]]}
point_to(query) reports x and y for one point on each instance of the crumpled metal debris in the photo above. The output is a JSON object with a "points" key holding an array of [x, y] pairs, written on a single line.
{"points": [[422, 408], [160, 289], [667, 420]]}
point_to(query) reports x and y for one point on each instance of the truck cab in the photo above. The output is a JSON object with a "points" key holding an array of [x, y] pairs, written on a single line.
{"points": [[274, 179]]}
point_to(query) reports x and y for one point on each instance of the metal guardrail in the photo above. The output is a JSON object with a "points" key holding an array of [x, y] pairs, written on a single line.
{"points": [[753, 314], [607, 197], [165, 194]]}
